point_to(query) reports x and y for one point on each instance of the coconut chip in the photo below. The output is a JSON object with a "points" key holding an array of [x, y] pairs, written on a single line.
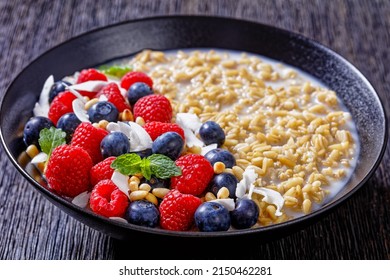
{"points": [[82, 199], [42, 106], [39, 158], [271, 197], [119, 219], [75, 93], [246, 187], [190, 123], [121, 181], [79, 110], [228, 203], [208, 148], [140, 139], [90, 86]]}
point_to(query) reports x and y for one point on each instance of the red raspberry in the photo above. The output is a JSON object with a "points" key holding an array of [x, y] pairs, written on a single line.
{"points": [[177, 210], [61, 105], [155, 129], [154, 107], [196, 174], [113, 94], [102, 170], [89, 137], [67, 170], [133, 77], [90, 74], [107, 200]]}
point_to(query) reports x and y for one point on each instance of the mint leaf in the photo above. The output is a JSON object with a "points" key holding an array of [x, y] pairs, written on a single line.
{"points": [[158, 165], [117, 71], [163, 167], [145, 168], [127, 164], [50, 138]]}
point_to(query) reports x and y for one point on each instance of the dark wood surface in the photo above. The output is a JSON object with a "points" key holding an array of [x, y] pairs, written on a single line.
{"points": [[32, 228]]}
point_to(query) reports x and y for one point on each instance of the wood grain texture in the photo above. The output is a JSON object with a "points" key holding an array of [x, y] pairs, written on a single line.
{"points": [[32, 228]]}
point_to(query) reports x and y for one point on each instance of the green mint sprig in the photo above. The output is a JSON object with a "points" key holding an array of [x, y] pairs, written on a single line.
{"points": [[50, 138], [158, 165], [117, 71]]}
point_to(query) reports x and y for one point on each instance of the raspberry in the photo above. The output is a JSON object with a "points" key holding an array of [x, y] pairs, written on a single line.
{"points": [[196, 174], [89, 137], [107, 200], [132, 77], [102, 171], [68, 169], [154, 107], [177, 210], [113, 94], [90, 74], [61, 105], [155, 129]]}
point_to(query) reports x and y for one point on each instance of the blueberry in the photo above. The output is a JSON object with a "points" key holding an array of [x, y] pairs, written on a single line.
{"points": [[155, 182], [144, 153], [114, 144], [142, 213], [224, 180], [245, 214], [169, 144], [210, 132], [221, 155], [56, 88], [32, 128], [103, 110], [68, 123], [212, 216], [138, 90]]}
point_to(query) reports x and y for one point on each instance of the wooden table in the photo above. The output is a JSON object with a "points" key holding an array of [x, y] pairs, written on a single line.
{"points": [[32, 228]]}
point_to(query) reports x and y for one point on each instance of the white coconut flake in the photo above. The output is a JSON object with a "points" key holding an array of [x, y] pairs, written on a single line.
{"points": [[82, 199], [271, 197], [191, 139], [76, 93], [125, 128], [90, 86], [79, 110], [113, 126], [39, 158], [41, 107], [228, 203], [190, 123], [119, 219], [103, 98], [245, 186], [140, 139], [70, 79], [208, 148], [188, 120], [121, 181], [123, 91]]}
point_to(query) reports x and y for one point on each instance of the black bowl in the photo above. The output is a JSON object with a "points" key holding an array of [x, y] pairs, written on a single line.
{"points": [[177, 32]]}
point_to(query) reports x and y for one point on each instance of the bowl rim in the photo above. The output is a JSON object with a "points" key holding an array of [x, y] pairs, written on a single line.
{"points": [[157, 231]]}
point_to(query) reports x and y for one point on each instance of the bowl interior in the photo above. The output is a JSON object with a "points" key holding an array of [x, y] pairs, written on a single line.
{"points": [[167, 33]]}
